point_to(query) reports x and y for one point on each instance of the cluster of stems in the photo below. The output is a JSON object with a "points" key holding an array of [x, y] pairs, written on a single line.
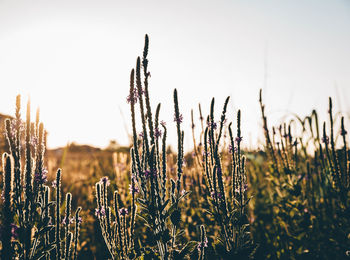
{"points": [[28, 219]]}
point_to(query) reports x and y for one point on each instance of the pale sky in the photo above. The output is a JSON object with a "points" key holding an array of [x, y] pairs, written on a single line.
{"points": [[73, 58]]}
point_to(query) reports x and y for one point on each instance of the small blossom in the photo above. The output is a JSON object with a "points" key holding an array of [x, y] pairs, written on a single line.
{"points": [[67, 221], [14, 229], [157, 133], [54, 184], [183, 192], [325, 139], [245, 186], [218, 194], [133, 99], [212, 125], [141, 134], [149, 173], [123, 212], [134, 189], [104, 180], [100, 212], [41, 178], [238, 139], [201, 245], [230, 150], [79, 220], [178, 119]]}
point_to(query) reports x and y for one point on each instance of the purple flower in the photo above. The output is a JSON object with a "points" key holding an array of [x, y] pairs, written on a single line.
{"points": [[157, 133], [218, 194], [149, 173], [79, 221], [123, 212], [41, 178], [212, 125], [132, 99], [34, 141], [141, 134], [178, 119], [67, 221], [100, 212], [105, 181], [14, 229], [325, 139], [134, 189], [54, 184], [230, 150], [245, 186], [201, 245], [238, 139]]}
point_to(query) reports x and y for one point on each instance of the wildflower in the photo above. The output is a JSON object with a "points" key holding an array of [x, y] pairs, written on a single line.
{"points": [[183, 192], [67, 221], [230, 150], [132, 99], [212, 125], [14, 229], [157, 133], [325, 139], [178, 119], [141, 134], [134, 189], [239, 139], [202, 245], [54, 184], [123, 212], [105, 181], [237, 190], [100, 212], [41, 177], [34, 141], [79, 220], [218, 194], [149, 173], [245, 186]]}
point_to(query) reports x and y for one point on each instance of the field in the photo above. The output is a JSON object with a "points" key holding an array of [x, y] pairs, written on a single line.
{"points": [[152, 201]]}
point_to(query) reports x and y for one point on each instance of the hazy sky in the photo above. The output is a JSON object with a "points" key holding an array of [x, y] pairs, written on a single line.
{"points": [[73, 58]]}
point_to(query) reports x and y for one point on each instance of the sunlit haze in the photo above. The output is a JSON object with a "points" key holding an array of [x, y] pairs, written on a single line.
{"points": [[73, 59]]}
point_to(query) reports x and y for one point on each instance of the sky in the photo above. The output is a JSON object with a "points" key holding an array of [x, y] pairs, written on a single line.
{"points": [[73, 60]]}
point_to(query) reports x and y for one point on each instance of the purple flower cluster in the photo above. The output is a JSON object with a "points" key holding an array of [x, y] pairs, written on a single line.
{"points": [[212, 125], [239, 139], [218, 194], [157, 133], [105, 181], [123, 212], [41, 177], [100, 212], [325, 139], [230, 150], [149, 173], [201, 245], [134, 189], [67, 221], [133, 99], [178, 119]]}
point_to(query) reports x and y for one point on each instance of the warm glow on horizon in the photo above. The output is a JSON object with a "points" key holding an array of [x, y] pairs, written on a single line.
{"points": [[73, 59]]}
